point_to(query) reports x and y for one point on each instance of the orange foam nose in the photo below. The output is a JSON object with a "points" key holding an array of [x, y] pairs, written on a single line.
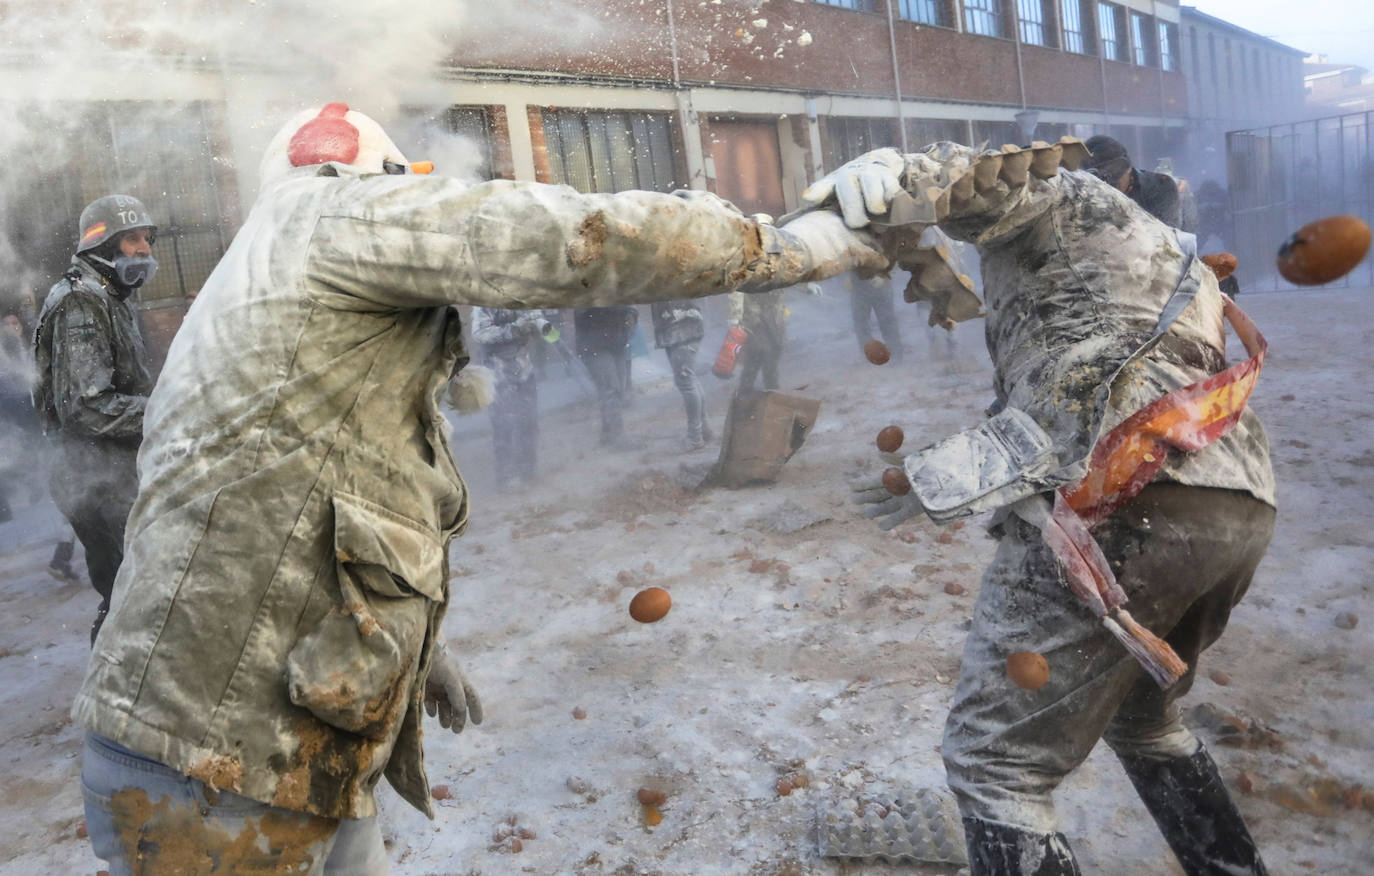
{"points": [[422, 167]]}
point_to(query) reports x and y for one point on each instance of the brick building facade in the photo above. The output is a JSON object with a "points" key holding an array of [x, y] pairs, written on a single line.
{"points": [[748, 98]]}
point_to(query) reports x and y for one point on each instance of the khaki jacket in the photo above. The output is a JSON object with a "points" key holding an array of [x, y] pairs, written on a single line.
{"points": [[286, 564]]}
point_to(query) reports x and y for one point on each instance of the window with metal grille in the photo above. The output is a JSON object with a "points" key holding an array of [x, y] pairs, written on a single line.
{"points": [[166, 154], [1031, 17], [1168, 35], [600, 151], [995, 134], [983, 17], [163, 154], [920, 133], [1075, 37], [851, 137], [860, 5], [457, 139], [1142, 44], [934, 12], [1109, 31]]}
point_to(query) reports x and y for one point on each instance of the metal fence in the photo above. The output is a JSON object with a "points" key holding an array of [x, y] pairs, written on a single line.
{"points": [[1283, 177]]}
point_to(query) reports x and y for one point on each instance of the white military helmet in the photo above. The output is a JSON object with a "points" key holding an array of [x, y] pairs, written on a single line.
{"points": [[332, 133]]}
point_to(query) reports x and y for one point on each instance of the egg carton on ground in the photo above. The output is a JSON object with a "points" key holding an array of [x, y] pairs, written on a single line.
{"points": [[920, 825]]}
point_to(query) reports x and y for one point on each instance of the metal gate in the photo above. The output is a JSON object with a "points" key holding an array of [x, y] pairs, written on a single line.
{"points": [[1284, 176]]}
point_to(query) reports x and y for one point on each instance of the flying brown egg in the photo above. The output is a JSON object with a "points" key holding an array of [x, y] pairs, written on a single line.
{"points": [[1322, 251]]}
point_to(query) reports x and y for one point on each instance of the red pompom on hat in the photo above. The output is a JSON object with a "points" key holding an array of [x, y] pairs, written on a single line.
{"points": [[327, 137]]}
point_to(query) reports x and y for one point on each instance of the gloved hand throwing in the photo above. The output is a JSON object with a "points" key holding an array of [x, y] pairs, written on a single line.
{"points": [[893, 510], [829, 241], [448, 693], [863, 188]]}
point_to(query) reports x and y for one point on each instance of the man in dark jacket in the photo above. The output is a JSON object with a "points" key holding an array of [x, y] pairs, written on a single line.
{"points": [[678, 330], [92, 384], [1156, 192]]}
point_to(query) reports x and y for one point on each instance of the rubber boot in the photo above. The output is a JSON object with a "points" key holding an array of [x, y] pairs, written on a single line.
{"points": [[1196, 814], [1003, 850]]}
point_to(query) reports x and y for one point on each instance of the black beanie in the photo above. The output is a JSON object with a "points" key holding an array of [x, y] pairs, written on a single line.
{"points": [[1109, 159]]}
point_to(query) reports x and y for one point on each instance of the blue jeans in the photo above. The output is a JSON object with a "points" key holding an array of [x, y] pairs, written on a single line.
{"points": [[147, 819]]}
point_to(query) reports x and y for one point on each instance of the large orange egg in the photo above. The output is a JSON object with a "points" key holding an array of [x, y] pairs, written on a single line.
{"points": [[1028, 669], [1325, 250], [650, 605]]}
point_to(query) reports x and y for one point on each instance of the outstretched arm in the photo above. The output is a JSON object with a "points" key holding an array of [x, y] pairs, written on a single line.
{"points": [[395, 242], [970, 195]]}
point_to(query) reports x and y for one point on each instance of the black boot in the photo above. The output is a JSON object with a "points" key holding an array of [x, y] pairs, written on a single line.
{"points": [[1003, 850], [1196, 814]]}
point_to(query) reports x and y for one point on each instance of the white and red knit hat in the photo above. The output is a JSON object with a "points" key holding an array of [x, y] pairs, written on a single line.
{"points": [[332, 133]]}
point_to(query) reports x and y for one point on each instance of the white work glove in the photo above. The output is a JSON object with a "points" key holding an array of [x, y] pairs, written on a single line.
{"points": [[863, 188], [448, 693], [833, 247], [893, 510]]}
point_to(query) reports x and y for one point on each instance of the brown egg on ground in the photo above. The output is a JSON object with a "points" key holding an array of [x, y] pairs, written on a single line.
{"points": [[895, 481], [1325, 250], [650, 797], [1028, 670], [890, 439], [877, 352], [650, 605]]}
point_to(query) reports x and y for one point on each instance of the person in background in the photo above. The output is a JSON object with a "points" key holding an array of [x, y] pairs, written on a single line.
{"points": [[92, 383], [763, 318], [17, 422], [872, 297], [1156, 192], [678, 330], [505, 336], [603, 340], [21, 436]]}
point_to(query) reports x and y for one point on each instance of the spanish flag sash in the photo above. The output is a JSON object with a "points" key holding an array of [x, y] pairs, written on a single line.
{"points": [[1122, 462]]}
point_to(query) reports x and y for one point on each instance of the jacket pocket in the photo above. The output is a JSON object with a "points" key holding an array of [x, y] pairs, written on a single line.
{"points": [[356, 668]]}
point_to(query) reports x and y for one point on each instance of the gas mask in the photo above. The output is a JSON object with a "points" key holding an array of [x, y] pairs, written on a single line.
{"points": [[134, 271], [131, 272]]}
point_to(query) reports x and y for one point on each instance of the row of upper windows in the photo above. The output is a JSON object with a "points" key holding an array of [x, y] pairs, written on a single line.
{"points": [[1086, 27]]}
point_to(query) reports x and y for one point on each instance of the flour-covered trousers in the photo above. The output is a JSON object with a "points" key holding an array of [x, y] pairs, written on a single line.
{"points": [[877, 302], [515, 428], [1185, 557], [682, 358], [762, 353], [147, 819], [607, 368]]}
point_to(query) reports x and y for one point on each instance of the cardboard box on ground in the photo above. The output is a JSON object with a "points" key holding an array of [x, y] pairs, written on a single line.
{"points": [[762, 431]]}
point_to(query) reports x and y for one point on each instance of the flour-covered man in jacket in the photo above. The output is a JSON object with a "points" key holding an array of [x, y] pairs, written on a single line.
{"points": [[1094, 311], [274, 634]]}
